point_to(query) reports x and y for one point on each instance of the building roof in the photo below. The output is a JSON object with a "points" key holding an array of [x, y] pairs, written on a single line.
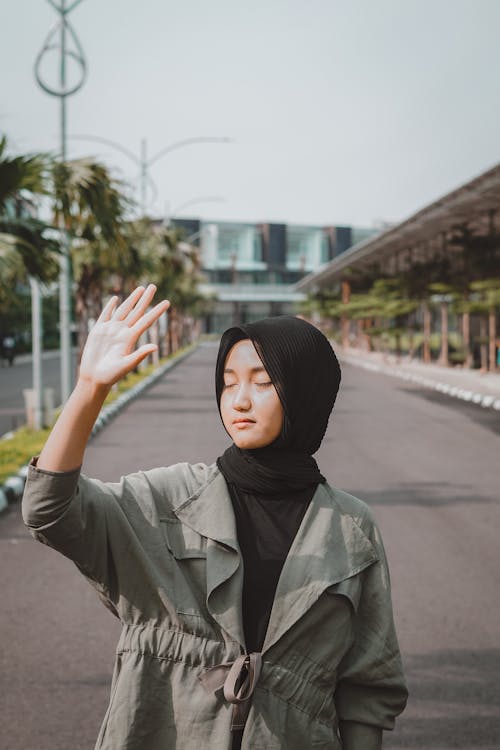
{"points": [[471, 204]]}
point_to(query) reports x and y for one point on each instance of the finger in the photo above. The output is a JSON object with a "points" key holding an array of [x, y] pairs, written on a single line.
{"points": [[127, 305], [141, 306], [148, 319], [134, 359], [107, 310]]}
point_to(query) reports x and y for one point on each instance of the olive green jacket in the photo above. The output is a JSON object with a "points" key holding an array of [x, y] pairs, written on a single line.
{"points": [[161, 549]]}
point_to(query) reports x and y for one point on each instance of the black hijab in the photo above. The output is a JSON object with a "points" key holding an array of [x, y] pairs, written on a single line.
{"points": [[306, 374]]}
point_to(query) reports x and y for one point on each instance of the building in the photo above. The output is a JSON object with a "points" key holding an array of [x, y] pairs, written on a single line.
{"points": [[250, 269]]}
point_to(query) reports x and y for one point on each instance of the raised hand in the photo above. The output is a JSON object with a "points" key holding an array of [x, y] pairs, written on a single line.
{"points": [[110, 352]]}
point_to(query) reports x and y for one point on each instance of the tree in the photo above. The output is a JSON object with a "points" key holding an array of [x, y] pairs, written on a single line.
{"points": [[487, 304], [90, 205], [177, 275], [28, 246], [21, 179], [443, 294]]}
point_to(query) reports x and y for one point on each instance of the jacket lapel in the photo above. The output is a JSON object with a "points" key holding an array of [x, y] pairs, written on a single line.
{"points": [[209, 511], [328, 548]]}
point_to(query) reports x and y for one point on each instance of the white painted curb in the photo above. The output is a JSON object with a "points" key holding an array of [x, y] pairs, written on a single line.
{"points": [[487, 401]]}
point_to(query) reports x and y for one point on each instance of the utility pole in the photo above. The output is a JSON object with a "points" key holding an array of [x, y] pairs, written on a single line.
{"points": [[63, 38], [144, 176], [144, 162], [36, 336]]}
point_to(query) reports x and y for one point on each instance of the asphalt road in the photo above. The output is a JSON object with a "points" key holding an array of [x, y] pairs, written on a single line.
{"points": [[20, 375], [428, 465]]}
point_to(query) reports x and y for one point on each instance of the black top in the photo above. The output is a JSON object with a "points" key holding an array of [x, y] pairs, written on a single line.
{"points": [[266, 528]]}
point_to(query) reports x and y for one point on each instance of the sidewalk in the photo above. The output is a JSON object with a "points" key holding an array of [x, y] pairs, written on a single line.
{"points": [[482, 388]]}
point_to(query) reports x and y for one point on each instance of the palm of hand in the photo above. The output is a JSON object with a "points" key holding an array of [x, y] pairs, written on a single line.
{"points": [[109, 352]]}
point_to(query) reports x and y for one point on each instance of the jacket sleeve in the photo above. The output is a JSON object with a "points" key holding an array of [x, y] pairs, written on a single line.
{"points": [[95, 524], [371, 688]]}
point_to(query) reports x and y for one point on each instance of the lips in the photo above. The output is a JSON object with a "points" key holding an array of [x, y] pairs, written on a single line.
{"points": [[244, 421]]}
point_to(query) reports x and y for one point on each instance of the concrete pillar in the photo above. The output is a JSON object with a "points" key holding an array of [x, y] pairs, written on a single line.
{"points": [[443, 354], [492, 335], [344, 321], [427, 333]]}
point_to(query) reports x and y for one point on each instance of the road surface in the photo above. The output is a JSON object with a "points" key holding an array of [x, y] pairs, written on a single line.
{"points": [[20, 375], [428, 465]]}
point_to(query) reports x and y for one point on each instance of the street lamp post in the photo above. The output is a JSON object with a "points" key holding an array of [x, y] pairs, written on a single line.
{"points": [[144, 162], [57, 39]]}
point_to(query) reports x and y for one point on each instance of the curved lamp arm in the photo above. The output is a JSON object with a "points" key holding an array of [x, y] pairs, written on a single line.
{"points": [[187, 142]]}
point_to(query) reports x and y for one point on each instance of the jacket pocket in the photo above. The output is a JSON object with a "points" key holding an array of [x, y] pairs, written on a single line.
{"points": [[189, 552], [183, 542]]}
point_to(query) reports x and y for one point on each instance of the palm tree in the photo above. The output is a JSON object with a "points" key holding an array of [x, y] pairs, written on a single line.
{"points": [[90, 205], [88, 201], [21, 179], [28, 247], [20, 173], [177, 275]]}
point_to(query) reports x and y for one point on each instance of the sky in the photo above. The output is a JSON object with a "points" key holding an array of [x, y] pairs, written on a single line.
{"points": [[351, 112]]}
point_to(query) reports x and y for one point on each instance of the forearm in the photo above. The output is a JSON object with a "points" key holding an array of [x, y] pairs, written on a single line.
{"points": [[360, 736], [66, 443]]}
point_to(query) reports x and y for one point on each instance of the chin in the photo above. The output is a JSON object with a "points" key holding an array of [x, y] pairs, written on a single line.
{"points": [[247, 443]]}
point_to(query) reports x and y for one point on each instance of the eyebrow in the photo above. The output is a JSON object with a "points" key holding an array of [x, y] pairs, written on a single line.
{"points": [[229, 371]]}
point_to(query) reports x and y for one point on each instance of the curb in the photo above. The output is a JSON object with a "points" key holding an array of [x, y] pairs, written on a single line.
{"points": [[487, 401], [12, 489]]}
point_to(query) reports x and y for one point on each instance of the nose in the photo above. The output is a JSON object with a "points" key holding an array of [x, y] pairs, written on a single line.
{"points": [[242, 401]]}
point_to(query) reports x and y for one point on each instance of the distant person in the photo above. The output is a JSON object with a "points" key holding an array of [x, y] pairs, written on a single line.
{"points": [[8, 349], [254, 597]]}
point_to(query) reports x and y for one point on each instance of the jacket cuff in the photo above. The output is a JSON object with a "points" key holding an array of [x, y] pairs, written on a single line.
{"points": [[377, 706], [47, 494]]}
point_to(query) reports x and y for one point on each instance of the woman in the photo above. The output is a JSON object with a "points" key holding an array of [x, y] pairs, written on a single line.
{"points": [[254, 598]]}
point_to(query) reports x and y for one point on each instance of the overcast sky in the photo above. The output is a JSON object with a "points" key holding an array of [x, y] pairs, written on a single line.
{"points": [[342, 112]]}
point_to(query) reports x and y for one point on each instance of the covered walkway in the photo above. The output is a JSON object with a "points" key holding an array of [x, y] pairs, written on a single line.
{"points": [[472, 211]]}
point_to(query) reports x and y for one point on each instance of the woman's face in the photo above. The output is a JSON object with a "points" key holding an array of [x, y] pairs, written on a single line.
{"points": [[250, 407]]}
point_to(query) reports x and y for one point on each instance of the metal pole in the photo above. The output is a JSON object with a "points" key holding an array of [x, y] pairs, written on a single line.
{"points": [[62, 90], [144, 175], [144, 163], [36, 343], [65, 263]]}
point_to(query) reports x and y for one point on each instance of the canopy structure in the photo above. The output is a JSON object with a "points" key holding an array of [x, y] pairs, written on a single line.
{"points": [[473, 207]]}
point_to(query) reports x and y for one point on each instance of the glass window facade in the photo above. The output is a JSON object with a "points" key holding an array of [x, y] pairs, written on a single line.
{"points": [[235, 244], [306, 248], [250, 269]]}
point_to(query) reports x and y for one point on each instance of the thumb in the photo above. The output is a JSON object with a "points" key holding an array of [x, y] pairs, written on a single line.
{"points": [[132, 360]]}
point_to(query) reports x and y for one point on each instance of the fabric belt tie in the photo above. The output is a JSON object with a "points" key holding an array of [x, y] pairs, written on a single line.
{"points": [[238, 678]]}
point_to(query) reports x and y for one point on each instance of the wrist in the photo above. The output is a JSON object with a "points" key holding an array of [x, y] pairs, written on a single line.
{"points": [[90, 390]]}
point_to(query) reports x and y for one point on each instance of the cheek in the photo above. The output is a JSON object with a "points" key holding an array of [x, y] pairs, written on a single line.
{"points": [[274, 412], [224, 407]]}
